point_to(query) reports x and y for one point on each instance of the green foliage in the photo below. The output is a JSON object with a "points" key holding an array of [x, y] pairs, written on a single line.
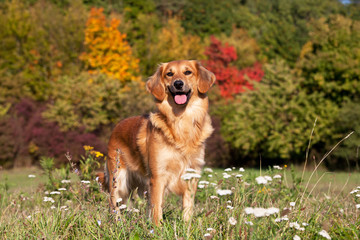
{"points": [[39, 44], [275, 120], [204, 18], [91, 101], [330, 62], [76, 210], [346, 156], [247, 48], [48, 165]]}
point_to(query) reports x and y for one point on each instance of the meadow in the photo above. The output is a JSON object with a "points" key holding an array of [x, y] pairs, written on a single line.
{"points": [[281, 202]]}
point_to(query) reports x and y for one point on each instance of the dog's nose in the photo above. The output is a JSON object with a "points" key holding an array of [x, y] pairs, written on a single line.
{"points": [[178, 84]]}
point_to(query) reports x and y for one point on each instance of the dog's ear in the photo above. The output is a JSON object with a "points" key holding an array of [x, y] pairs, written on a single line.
{"points": [[206, 78], [155, 86]]}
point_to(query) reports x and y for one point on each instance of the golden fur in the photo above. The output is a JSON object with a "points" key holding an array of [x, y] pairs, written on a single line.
{"points": [[151, 153]]}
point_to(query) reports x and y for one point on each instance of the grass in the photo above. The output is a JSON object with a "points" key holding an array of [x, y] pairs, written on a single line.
{"points": [[81, 212]]}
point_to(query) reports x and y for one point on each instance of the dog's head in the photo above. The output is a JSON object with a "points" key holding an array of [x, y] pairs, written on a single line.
{"points": [[180, 80]]}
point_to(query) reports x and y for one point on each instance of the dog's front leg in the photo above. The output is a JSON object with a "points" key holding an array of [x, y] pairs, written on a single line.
{"points": [[157, 188], [188, 199]]}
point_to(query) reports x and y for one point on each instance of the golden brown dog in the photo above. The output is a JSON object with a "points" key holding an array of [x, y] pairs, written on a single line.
{"points": [[151, 153]]}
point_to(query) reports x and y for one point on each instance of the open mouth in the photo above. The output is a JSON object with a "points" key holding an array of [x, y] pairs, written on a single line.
{"points": [[180, 98]]}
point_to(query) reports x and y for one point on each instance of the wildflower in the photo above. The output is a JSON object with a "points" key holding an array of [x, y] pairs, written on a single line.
{"points": [[292, 204], [261, 212], [118, 200], [62, 189], [48, 199], [190, 170], [152, 231], [209, 229], [210, 175], [204, 182], [189, 176], [225, 175], [46, 193], [357, 195], [55, 192], [99, 222], [228, 170], [354, 191], [28, 217], [277, 176], [213, 184], [277, 167], [31, 176], [268, 178], [63, 207], [284, 218], [201, 186], [88, 148], [305, 224], [285, 166], [229, 207], [207, 235], [357, 206], [296, 237], [261, 180], [208, 170], [249, 223], [135, 210], [232, 221], [52, 207], [97, 154], [241, 169], [296, 226], [214, 197], [222, 192], [65, 181], [123, 206], [85, 181], [324, 234]]}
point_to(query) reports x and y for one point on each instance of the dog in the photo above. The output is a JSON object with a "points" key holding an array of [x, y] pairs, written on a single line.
{"points": [[151, 153]]}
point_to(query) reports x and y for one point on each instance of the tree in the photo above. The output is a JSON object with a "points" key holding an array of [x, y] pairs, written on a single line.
{"points": [[108, 51], [230, 79], [330, 60], [275, 119]]}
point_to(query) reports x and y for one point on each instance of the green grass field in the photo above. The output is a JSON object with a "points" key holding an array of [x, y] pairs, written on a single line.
{"points": [[281, 209]]}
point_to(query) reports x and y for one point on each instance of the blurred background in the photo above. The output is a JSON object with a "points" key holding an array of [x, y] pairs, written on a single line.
{"points": [[287, 75]]}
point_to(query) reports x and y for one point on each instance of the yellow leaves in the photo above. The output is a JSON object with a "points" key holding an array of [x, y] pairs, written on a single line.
{"points": [[173, 43], [108, 51]]}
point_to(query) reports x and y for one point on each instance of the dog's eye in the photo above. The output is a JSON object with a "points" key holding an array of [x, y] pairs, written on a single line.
{"points": [[188, 72], [170, 74]]}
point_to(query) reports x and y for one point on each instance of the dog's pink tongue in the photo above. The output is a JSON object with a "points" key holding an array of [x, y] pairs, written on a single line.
{"points": [[180, 99]]}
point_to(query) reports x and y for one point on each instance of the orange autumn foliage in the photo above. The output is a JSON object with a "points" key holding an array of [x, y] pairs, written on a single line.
{"points": [[108, 51]]}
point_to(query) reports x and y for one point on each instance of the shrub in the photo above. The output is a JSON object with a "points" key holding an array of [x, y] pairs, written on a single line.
{"points": [[347, 154], [107, 51], [275, 120], [29, 136], [92, 101], [230, 79]]}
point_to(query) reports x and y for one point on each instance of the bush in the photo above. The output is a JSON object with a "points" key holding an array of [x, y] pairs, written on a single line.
{"points": [[92, 101], [275, 120], [29, 136], [346, 156]]}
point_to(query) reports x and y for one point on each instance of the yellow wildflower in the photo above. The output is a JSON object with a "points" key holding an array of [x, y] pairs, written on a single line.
{"points": [[88, 148], [97, 153]]}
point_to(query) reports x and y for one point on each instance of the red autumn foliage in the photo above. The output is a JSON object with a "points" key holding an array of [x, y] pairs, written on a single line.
{"points": [[230, 79]]}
